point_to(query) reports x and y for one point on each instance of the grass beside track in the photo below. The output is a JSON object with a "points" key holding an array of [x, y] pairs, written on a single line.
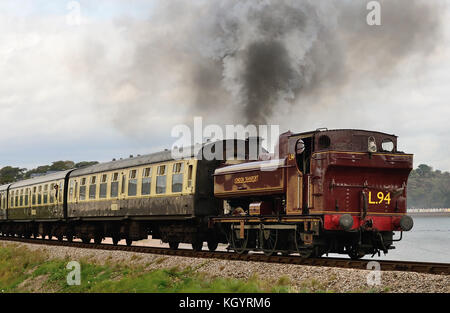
{"points": [[23, 270]]}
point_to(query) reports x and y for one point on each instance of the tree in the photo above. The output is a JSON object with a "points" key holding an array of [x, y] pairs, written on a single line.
{"points": [[10, 174], [428, 188], [85, 163], [62, 165]]}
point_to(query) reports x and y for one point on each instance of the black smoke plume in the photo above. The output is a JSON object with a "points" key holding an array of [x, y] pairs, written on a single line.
{"points": [[244, 59]]}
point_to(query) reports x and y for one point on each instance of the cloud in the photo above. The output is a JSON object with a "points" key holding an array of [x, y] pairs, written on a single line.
{"points": [[117, 84]]}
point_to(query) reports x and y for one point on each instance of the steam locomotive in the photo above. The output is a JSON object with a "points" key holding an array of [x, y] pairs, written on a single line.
{"points": [[327, 191]]}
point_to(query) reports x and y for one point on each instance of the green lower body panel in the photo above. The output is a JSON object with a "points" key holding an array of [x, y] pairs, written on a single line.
{"points": [[147, 207], [48, 212]]}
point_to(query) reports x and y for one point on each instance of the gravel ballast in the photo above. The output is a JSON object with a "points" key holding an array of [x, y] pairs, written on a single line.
{"points": [[299, 277]]}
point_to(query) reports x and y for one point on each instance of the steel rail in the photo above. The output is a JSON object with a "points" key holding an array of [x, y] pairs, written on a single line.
{"points": [[385, 265]]}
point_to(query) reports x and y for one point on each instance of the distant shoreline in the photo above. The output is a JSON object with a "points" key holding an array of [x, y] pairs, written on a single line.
{"points": [[428, 213]]}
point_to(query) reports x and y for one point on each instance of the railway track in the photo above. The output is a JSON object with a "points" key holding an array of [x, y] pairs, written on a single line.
{"points": [[419, 267]]}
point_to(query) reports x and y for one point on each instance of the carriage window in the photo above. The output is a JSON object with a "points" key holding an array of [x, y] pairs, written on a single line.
{"points": [[83, 189], [27, 192], [122, 189], [103, 186], [189, 182], [21, 197], [162, 170], [161, 180], [177, 177], [115, 185], [72, 183], [12, 199], [146, 181], [45, 194], [40, 195], [17, 198], [52, 193], [93, 187], [132, 183], [33, 197], [60, 192]]}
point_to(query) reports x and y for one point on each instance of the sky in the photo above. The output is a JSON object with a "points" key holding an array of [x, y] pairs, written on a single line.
{"points": [[97, 80]]}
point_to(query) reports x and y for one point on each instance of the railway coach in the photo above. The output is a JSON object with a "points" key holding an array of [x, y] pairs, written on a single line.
{"points": [[155, 194]]}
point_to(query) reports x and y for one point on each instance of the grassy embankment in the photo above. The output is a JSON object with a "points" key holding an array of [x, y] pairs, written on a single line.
{"points": [[23, 270]]}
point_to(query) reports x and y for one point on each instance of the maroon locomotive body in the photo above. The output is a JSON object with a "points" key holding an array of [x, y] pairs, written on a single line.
{"points": [[327, 191]]}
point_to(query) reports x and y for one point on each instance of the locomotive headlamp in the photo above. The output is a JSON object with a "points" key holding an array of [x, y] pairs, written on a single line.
{"points": [[372, 146], [406, 223], [346, 222]]}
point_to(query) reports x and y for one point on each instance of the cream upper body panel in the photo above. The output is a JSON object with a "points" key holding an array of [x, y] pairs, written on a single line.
{"points": [[162, 179]]}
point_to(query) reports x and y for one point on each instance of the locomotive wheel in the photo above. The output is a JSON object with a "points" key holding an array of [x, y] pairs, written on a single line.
{"points": [[269, 239], [129, 242], [355, 253], [69, 238], [60, 238], [239, 245], [212, 245], [305, 252], [197, 245], [174, 245], [85, 239], [98, 240], [115, 240]]}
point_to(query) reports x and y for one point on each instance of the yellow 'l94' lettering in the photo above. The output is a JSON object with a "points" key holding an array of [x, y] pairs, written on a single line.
{"points": [[380, 198]]}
